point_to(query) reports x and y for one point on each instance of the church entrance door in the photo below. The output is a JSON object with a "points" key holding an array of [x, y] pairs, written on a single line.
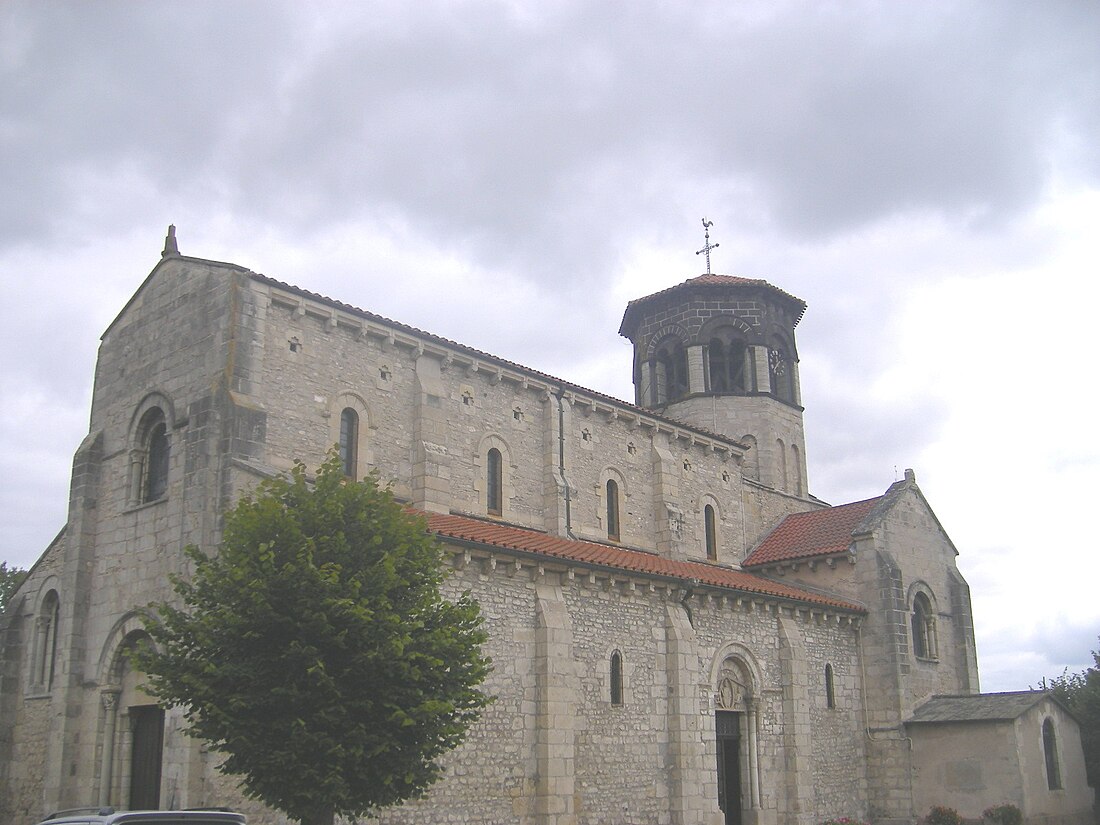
{"points": [[147, 727], [728, 727]]}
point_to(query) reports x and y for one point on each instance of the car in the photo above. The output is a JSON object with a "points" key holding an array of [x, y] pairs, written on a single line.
{"points": [[109, 816]]}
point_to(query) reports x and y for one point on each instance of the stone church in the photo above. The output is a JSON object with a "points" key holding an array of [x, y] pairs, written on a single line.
{"points": [[680, 632]]}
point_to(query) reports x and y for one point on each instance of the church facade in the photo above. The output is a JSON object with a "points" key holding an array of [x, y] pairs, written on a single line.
{"points": [[680, 632]]}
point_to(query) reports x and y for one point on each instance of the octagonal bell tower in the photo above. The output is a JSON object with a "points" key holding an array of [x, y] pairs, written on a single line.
{"points": [[718, 352]]}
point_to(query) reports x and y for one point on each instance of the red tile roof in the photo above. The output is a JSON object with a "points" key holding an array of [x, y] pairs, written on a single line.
{"points": [[816, 533], [509, 537], [712, 280]]}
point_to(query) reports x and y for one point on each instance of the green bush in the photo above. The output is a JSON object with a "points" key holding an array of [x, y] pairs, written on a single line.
{"points": [[1006, 814], [939, 815]]}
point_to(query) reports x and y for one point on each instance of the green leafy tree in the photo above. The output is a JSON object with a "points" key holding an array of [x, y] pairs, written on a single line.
{"points": [[10, 579], [316, 652], [1081, 694]]}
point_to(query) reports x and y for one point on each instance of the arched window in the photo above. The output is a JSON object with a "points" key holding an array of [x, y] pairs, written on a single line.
{"points": [[155, 455], [830, 691], [349, 442], [616, 678], [612, 509], [924, 628], [1050, 751], [672, 377], [710, 529], [494, 483], [726, 362], [46, 641]]}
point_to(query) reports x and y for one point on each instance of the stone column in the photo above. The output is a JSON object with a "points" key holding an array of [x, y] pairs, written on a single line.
{"points": [[431, 482], [558, 697], [693, 796], [667, 514], [697, 381], [109, 700], [754, 762], [797, 739], [763, 372]]}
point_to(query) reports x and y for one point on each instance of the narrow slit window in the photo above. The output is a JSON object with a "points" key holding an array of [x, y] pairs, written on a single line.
{"points": [[1050, 751], [616, 678], [612, 510], [494, 495], [830, 690], [349, 441], [710, 528], [154, 482]]}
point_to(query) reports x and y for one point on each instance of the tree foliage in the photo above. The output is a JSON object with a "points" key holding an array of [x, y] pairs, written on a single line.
{"points": [[10, 579], [316, 652], [1081, 694]]}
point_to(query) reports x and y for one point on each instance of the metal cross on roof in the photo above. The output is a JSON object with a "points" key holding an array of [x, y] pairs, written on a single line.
{"points": [[706, 230]]}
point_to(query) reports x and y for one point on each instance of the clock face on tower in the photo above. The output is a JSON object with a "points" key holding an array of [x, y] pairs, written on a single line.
{"points": [[776, 363]]}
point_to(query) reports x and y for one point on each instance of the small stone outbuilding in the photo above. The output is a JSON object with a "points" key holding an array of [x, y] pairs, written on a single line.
{"points": [[1019, 748]]}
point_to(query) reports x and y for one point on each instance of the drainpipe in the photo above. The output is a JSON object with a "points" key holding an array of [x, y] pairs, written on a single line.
{"points": [[561, 461]]}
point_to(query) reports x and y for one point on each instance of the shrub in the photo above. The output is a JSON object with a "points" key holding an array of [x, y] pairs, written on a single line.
{"points": [[939, 815], [1006, 814]]}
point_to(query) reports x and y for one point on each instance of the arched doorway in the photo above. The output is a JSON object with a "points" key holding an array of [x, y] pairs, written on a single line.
{"points": [[735, 745], [133, 752]]}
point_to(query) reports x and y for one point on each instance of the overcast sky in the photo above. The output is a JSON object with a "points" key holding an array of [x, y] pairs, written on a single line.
{"points": [[925, 175]]}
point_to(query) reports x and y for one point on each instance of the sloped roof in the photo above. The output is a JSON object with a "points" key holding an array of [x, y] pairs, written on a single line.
{"points": [[491, 534], [708, 282], [815, 533], [978, 707]]}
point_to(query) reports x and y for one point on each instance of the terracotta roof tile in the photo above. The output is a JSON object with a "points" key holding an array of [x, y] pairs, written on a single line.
{"points": [[816, 533], [493, 534]]}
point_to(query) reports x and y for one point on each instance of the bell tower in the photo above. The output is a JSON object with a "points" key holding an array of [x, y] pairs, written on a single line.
{"points": [[718, 352]]}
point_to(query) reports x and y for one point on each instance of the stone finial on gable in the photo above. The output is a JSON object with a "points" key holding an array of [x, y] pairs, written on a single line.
{"points": [[910, 476], [170, 247]]}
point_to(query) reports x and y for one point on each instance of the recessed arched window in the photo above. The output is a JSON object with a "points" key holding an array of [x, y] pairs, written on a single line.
{"points": [[726, 362], [154, 467], [672, 377], [1050, 751], [710, 528], [924, 628], [616, 678], [612, 502], [45, 647], [830, 691], [349, 442], [494, 482]]}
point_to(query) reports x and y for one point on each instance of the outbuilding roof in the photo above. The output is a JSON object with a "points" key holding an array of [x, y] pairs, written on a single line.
{"points": [[978, 707]]}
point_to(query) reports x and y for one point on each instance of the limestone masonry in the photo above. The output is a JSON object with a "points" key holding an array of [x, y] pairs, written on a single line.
{"points": [[680, 632]]}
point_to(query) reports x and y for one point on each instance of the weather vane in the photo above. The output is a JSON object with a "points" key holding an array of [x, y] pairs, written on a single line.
{"points": [[706, 230]]}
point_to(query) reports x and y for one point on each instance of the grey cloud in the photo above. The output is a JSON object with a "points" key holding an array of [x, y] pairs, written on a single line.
{"points": [[523, 141]]}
